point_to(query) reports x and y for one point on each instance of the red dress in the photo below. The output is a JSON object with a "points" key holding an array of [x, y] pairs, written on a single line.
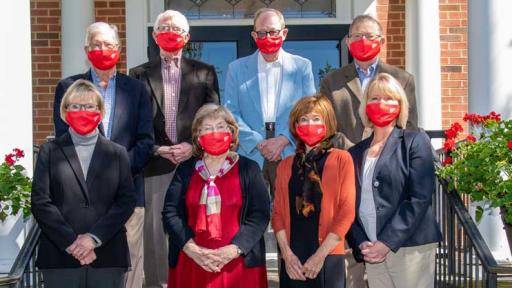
{"points": [[234, 274]]}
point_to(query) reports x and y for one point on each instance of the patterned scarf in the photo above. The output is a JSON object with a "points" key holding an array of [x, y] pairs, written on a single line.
{"points": [[208, 213], [309, 201]]}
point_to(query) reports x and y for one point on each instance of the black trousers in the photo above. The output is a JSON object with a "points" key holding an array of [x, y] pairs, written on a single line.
{"points": [[332, 275], [84, 277]]}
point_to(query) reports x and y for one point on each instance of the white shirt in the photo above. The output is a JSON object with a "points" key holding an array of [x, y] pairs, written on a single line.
{"points": [[367, 211], [269, 77]]}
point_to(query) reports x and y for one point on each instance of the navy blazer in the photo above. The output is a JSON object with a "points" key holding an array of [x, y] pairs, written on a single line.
{"points": [[132, 126], [403, 183], [254, 216], [65, 204]]}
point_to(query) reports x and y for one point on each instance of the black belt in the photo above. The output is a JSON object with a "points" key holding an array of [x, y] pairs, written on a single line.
{"points": [[270, 127]]}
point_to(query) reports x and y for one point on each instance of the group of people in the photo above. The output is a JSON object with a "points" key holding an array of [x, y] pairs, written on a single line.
{"points": [[153, 179]]}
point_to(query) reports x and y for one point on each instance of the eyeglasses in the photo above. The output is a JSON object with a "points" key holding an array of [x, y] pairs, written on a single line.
{"points": [[100, 45], [77, 107], [368, 36], [264, 34], [211, 129], [167, 28]]}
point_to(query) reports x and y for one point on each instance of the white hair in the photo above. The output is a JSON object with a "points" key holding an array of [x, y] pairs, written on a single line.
{"points": [[101, 28], [177, 18]]}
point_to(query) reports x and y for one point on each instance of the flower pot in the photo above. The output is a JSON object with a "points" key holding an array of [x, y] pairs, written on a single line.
{"points": [[13, 231]]}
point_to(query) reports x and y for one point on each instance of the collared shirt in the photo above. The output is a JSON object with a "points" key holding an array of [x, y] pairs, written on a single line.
{"points": [[269, 78], [365, 78], [109, 97], [171, 78]]}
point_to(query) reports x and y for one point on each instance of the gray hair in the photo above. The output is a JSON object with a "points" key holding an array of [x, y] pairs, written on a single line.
{"points": [[177, 18], [101, 28]]}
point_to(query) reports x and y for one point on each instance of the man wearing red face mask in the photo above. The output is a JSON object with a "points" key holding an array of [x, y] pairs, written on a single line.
{"points": [[345, 86], [127, 122], [179, 87], [260, 91]]}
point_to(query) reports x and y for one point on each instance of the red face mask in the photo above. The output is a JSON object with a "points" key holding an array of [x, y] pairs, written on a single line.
{"points": [[381, 114], [103, 59], [269, 45], [365, 50], [311, 134], [216, 143], [83, 122], [170, 41]]}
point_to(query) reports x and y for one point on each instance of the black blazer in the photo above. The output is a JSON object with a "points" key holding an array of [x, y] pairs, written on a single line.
{"points": [[403, 183], [132, 125], [199, 85], [65, 204], [254, 217]]}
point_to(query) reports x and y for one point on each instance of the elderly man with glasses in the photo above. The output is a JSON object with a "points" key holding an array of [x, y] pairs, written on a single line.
{"points": [[260, 91], [127, 121], [345, 88], [179, 87]]}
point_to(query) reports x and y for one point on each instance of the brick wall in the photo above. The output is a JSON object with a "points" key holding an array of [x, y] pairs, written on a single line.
{"points": [[391, 15], [45, 35], [113, 12], [454, 60]]}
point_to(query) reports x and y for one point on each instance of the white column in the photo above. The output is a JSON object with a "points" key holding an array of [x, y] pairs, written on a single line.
{"points": [[15, 108], [136, 32], [490, 89], [490, 56], [76, 16], [422, 59]]}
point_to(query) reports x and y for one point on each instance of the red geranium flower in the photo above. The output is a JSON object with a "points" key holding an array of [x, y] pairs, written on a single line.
{"points": [[449, 144], [447, 161], [9, 159], [19, 153], [457, 127], [474, 119], [510, 144], [493, 116], [471, 138]]}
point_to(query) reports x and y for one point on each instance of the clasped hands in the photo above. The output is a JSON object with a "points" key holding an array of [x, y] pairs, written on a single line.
{"points": [[271, 148], [83, 249], [374, 252], [298, 271], [176, 153], [211, 260]]}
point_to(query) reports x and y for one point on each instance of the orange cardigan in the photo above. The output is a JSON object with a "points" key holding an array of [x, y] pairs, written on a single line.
{"points": [[338, 201]]}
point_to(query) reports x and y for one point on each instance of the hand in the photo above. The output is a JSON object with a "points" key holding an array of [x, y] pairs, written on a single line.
{"points": [[294, 268], [365, 245], [271, 148], [181, 152], [224, 255], [88, 259], [82, 246], [376, 253], [202, 256], [167, 153], [313, 265]]}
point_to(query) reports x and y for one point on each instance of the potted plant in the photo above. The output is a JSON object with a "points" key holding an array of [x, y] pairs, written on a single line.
{"points": [[481, 166], [15, 186]]}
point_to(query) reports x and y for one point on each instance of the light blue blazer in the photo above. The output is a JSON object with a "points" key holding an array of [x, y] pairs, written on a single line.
{"points": [[242, 98]]}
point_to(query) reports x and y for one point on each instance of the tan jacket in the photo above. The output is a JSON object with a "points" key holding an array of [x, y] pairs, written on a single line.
{"points": [[343, 88]]}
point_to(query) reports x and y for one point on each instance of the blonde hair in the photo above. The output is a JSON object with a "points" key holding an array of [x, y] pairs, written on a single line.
{"points": [[212, 111], [81, 89], [385, 84], [101, 28], [317, 103], [265, 10], [176, 17]]}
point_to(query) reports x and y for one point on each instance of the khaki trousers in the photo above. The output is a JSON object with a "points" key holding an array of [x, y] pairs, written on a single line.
{"points": [[354, 271], [408, 267], [134, 232]]}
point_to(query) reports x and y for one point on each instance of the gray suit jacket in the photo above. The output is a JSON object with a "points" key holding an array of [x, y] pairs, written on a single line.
{"points": [[343, 88]]}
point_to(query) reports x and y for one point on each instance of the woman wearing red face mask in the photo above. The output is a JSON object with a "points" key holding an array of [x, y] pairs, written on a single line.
{"points": [[395, 232], [216, 210], [82, 195], [314, 200]]}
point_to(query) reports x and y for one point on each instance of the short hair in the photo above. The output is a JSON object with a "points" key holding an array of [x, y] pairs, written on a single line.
{"points": [[265, 10], [317, 103], [212, 111], [177, 18], [364, 18], [81, 89], [103, 28], [389, 86]]}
